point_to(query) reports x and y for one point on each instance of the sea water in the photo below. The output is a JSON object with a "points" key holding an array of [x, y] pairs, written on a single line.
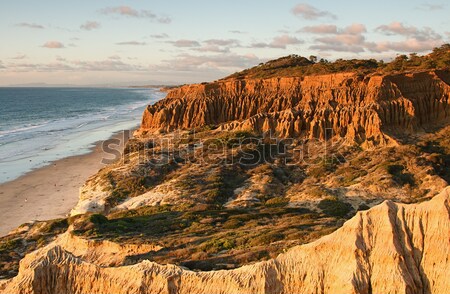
{"points": [[41, 125]]}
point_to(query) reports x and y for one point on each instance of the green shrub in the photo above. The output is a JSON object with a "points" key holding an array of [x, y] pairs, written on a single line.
{"points": [[266, 239], [217, 245], [298, 66], [56, 226], [98, 219], [334, 207], [277, 201], [9, 245], [399, 176], [363, 206], [232, 224]]}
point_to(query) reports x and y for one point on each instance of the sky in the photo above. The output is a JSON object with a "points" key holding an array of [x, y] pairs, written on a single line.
{"points": [[174, 42]]}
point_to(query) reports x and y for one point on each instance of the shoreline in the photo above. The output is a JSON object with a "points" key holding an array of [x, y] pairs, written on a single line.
{"points": [[50, 191]]}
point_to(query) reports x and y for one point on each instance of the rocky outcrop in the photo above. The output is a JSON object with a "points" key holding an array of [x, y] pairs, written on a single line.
{"points": [[355, 107], [102, 252], [391, 248]]}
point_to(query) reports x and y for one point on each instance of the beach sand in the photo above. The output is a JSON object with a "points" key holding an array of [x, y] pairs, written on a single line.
{"points": [[51, 191]]}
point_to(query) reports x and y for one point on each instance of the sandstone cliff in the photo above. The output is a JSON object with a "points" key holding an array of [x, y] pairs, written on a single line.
{"points": [[391, 248], [362, 109]]}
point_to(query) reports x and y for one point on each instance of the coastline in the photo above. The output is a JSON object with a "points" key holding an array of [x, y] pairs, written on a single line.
{"points": [[51, 191]]}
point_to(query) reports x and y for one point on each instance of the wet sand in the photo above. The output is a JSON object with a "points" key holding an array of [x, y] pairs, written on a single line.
{"points": [[48, 192]]}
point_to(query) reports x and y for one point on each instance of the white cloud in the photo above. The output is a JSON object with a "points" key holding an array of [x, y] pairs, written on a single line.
{"points": [[160, 36], [65, 65], [338, 48], [320, 29], [346, 39], [106, 65], [222, 42], [188, 62], [352, 38], [30, 25], [213, 48], [132, 43], [184, 43], [416, 39], [19, 57], [237, 32], [90, 25], [164, 19], [430, 7], [280, 42], [398, 28], [210, 45], [53, 45], [409, 45], [355, 29], [131, 12], [217, 64], [309, 12]]}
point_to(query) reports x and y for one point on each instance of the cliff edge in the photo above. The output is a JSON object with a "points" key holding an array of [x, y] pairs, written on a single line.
{"points": [[391, 248], [367, 109]]}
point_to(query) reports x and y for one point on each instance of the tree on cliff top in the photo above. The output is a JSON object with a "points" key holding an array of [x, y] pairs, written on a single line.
{"points": [[297, 66]]}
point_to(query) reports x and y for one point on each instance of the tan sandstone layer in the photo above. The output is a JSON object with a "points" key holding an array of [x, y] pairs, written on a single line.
{"points": [[391, 248]]}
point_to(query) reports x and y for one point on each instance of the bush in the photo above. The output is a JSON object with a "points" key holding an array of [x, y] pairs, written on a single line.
{"points": [[399, 176], [298, 66], [348, 175], [134, 145], [217, 245], [10, 244], [363, 206], [266, 239], [232, 224], [277, 202], [335, 207], [56, 226], [98, 219]]}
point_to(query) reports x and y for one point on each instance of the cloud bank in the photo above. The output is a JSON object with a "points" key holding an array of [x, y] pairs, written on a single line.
{"points": [[308, 12], [128, 11], [90, 25], [30, 25], [53, 45]]}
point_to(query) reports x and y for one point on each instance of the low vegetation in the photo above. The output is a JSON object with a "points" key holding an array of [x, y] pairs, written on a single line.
{"points": [[202, 232], [298, 66], [15, 246], [209, 239], [334, 207]]}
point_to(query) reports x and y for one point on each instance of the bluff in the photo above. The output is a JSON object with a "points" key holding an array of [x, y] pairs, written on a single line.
{"points": [[391, 248], [367, 109]]}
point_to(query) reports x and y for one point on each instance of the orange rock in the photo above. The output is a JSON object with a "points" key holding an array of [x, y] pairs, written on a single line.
{"points": [[366, 110]]}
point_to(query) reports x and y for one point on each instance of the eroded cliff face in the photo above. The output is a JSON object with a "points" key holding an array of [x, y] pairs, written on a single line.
{"points": [[362, 109], [391, 248]]}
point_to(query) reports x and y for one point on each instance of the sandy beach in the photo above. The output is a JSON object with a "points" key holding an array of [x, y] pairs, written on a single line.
{"points": [[48, 192]]}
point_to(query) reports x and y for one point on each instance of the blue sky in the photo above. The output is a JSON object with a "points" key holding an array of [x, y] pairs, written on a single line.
{"points": [[109, 42]]}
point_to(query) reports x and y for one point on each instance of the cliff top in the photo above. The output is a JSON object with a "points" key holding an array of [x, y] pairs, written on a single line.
{"points": [[297, 66]]}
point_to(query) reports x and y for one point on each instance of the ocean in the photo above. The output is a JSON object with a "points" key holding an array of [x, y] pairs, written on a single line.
{"points": [[41, 125]]}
